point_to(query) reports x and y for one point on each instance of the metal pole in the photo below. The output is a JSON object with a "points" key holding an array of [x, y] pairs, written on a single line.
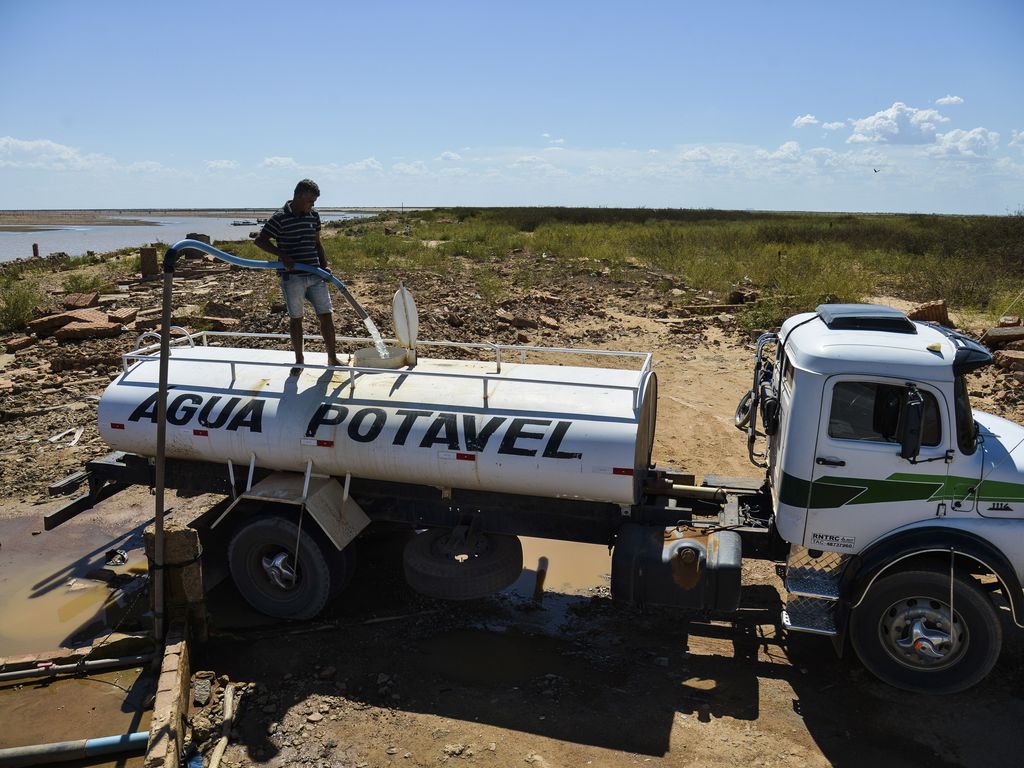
{"points": [[161, 441], [71, 669]]}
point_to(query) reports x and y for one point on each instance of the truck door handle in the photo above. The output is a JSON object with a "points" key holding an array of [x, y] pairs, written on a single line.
{"points": [[830, 462]]}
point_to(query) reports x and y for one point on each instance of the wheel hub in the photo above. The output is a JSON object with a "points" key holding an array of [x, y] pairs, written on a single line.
{"points": [[919, 633], [279, 570]]}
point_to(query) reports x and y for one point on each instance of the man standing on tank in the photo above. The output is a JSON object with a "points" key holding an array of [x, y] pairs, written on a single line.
{"points": [[296, 230]]}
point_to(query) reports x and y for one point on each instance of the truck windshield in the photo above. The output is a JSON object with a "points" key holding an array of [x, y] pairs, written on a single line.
{"points": [[966, 437]]}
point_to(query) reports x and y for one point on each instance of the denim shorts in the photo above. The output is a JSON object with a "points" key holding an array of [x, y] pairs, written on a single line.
{"points": [[298, 286]]}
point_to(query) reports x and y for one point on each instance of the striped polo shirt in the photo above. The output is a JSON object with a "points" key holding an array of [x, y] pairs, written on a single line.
{"points": [[295, 235]]}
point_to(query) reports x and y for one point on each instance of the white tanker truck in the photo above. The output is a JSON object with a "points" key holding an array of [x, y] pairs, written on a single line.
{"points": [[894, 510]]}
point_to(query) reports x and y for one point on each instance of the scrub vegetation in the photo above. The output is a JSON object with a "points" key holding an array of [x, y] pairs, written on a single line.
{"points": [[793, 260]]}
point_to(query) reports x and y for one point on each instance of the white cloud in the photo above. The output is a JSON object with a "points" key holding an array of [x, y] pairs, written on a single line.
{"points": [[899, 124], [415, 168], [788, 152], [221, 165], [557, 141], [975, 143], [1018, 139], [945, 101], [834, 126], [279, 162], [452, 156], [48, 155], [367, 164], [145, 166], [805, 120]]}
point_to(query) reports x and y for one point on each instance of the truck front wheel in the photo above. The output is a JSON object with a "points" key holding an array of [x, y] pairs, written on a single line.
{"points": [[263, 565], [904, 634]]}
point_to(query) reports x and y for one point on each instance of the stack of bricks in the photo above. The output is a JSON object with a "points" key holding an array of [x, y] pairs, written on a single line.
{"points": [[167, 725]]}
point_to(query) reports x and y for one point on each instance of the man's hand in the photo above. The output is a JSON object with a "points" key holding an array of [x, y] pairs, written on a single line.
{"points": [[289, 263]]}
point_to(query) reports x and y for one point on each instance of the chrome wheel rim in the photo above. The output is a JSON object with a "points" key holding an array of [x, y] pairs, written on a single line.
{"points": [[279, 570], [919, 633]]}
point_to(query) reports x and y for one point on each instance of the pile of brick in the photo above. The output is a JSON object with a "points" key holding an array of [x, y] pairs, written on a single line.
{"points": [[86, 323]]}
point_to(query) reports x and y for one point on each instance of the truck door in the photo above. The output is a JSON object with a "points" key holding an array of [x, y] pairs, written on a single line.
{"points": [[860, 487]]}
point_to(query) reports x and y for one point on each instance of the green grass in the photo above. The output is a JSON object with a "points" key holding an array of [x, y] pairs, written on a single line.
{"points": [[78, 282], [803, 259]]}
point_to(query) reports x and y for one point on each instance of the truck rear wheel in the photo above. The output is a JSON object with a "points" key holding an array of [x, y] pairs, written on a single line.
{"points": [[904, 635], [440, 564], [261, 557]]}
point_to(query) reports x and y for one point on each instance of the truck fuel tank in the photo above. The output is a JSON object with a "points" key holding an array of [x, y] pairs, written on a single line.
{"points": [[680, 567]]}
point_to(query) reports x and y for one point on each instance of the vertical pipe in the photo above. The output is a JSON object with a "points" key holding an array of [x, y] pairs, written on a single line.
{"points": [[35, 250], [161, 442]]}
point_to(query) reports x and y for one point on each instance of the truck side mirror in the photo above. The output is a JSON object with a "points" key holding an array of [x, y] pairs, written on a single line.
{"points": [[910, 424]]}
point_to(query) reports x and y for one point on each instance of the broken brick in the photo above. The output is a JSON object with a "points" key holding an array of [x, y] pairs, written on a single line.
{"points": [[81, 300], [19, 343], [84, 330], [122, 316]]}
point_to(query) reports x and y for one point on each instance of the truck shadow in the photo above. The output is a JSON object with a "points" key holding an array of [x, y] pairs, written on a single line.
{"points": [[579, 668]]}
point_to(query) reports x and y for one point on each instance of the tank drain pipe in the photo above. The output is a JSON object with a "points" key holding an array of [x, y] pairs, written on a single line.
{"points": [[52, 670], [62, 751]]}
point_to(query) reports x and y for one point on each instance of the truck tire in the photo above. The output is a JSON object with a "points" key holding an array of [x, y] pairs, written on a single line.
{"points": [[261, 559], [432, 569], [901, 632]]}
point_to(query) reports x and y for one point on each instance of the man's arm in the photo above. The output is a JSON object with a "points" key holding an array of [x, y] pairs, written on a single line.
{"points": [[321, 253], [262, 242]]}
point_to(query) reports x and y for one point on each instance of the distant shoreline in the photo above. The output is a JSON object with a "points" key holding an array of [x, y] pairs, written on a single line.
{"points": [[41, 220]]}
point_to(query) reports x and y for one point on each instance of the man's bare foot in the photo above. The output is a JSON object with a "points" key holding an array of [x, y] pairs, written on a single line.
{"points": [[297, 370], [334, 362]]}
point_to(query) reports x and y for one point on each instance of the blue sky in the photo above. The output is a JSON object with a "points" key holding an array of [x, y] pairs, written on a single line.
{"points": [[783, 105]]}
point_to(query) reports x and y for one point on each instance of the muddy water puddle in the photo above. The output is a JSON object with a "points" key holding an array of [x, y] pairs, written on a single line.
{"points": [[564, 567], [104, 704], [61, 588]]}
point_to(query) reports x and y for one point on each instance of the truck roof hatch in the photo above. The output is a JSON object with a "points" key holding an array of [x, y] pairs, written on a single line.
{"points": [[970, 355], [864, 317]]}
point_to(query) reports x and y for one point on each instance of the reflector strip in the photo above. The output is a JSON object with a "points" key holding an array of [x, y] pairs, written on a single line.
{"points": [[622, 470], [115, 425], [200, 433], [317, 443], [465, 456]]}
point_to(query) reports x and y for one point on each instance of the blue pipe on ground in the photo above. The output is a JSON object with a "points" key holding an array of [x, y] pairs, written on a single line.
{"points": [[62, 751]]}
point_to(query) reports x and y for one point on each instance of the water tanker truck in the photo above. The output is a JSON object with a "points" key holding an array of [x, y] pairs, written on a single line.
{"points": [[894, 512]]}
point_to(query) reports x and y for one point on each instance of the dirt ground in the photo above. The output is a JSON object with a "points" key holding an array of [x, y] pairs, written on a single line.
{"points": [[389, 678]]}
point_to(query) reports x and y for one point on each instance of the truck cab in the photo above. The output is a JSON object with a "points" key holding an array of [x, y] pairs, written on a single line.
{"points": [[902, 506]]}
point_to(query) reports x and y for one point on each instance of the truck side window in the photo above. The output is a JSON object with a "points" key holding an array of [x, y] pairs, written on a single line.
{"points": [[865, 410], [966, 437]]}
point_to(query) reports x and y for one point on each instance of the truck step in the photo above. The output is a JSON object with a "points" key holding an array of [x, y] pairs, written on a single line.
{"points": [[810, 614], [809, 576]]}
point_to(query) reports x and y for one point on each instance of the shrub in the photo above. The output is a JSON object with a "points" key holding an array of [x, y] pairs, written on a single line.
{"points": [[17, 301]]}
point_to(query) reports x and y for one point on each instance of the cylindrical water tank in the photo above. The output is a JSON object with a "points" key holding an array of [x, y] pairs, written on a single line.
{"points": [[543, 430]]}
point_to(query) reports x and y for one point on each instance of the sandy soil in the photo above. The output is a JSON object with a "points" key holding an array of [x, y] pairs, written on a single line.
{"points": [[389, 678]]}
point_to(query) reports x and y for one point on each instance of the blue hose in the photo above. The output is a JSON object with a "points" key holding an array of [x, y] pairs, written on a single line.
{"points": [[171, 258]]}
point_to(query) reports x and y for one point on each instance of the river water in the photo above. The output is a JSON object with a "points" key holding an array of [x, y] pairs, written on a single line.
{"points": [[78, 240]]}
